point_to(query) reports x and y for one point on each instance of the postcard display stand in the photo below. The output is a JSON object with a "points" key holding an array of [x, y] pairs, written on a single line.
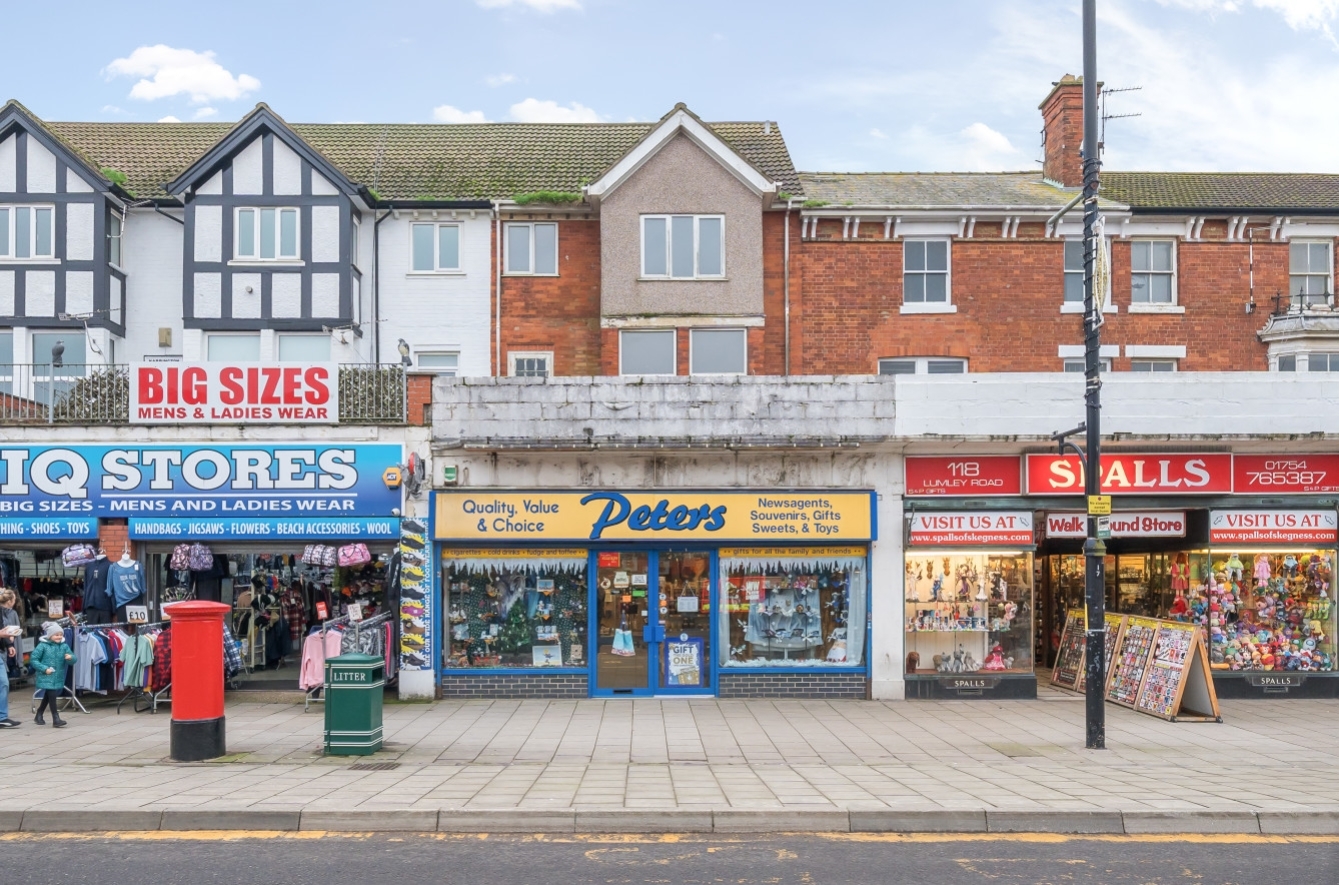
{"points": [[1071, 663], [1156, 667]]}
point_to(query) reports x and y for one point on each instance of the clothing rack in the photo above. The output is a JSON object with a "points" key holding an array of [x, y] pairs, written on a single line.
{"points": [[316, 694], [138, 692]]}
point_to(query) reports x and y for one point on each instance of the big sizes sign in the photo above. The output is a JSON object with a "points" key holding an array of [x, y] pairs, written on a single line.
{"points": [[234, 393]]}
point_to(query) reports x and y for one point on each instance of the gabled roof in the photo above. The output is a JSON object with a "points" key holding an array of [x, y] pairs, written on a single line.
{"points": [[1271, 193], [681, 121], [936, 190], [423, 161], [12, 114], [261, 119]]}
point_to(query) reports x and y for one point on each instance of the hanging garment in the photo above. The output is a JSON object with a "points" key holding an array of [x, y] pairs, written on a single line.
{"points": [[96, 592], [294, 613], [136, 657], [162, 660], [91, 654], [312, 672], [232, 655], [126, 583]]}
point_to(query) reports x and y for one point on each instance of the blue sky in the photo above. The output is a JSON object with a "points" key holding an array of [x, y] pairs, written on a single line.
{"points": [[880, 85]]}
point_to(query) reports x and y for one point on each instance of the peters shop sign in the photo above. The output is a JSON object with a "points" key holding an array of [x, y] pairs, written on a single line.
{"points": [[162, 489], [234, 393]]}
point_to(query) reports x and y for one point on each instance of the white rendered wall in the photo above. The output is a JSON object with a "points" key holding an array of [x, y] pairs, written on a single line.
{"points": [[153, 261], [437, 312]]}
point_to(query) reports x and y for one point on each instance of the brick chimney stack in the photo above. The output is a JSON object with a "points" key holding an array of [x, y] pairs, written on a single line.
{"points": [[1062, 123]]}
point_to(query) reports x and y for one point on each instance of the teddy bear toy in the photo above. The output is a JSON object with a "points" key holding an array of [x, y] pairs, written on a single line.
{"points": [[1290, 565], [1234, 567]]}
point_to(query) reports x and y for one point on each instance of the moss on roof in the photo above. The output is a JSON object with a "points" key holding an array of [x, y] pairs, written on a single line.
{"points": [[1279, 192], [404, 161]]}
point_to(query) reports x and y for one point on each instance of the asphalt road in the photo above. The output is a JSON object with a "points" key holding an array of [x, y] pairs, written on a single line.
{"points": [[300, 859]]}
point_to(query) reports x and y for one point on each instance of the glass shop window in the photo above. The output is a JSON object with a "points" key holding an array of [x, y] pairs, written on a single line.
{"points": [[516, 608], [800, 608]]}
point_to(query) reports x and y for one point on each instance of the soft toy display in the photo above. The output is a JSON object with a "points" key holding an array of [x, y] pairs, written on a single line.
{"points": [[1282, 625], [1234, 568], [1179, 606]]}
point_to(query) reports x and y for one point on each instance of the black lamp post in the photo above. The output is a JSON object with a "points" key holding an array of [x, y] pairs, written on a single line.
{"points": [[1094, 551]]}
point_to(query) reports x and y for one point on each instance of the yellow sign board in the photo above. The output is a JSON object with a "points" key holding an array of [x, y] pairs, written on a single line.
{"points": [[794, 517], [1099, 505]]}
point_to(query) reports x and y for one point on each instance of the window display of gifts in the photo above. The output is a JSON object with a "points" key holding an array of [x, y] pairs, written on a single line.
{"points": [[1276, 616]]}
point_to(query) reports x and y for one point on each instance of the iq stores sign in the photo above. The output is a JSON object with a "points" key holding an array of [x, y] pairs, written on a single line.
{"points": [[163, 481]]}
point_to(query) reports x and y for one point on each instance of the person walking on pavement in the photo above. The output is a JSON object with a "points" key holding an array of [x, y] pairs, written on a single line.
{"points": [[10, 632], [49, 660]]}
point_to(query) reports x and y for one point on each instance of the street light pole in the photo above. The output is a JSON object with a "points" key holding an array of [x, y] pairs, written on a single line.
{"points": [[1094, 551]]}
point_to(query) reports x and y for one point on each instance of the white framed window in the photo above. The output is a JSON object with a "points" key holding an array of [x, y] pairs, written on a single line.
{"points": [[647, 352], [443, 362], [354, 231], [1073, 271], [925, 272], [1080, 365], [27, 232], [6, 361], [1152, 365], [232, 347], [434, 248], [530, 364], [1309, 362], [115, 229], [304, 348], [1310, 272], [1153, 272], [683, 247], [532, 248], [718, 352], [265, 234], [922, 365]]}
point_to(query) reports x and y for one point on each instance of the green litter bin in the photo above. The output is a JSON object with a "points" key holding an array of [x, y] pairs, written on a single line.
{"points": [[354, 685]]}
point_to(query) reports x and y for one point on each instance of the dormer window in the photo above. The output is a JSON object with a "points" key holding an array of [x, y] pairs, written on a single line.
{"points": [[266, 234]]}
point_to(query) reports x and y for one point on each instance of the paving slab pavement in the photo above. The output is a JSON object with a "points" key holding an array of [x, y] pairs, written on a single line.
{"points": [[693, 765]]}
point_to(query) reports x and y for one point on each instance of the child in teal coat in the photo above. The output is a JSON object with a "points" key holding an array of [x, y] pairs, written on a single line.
{"points": [[49, 660]]}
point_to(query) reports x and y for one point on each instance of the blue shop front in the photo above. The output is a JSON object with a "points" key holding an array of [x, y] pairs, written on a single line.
{"points": [[601, 593]]}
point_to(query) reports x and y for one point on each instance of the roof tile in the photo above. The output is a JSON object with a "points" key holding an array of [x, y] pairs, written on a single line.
{"points": [[410, 161]]}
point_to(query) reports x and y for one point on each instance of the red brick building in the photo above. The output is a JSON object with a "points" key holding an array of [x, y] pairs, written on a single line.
{"points": [[950, 272]]}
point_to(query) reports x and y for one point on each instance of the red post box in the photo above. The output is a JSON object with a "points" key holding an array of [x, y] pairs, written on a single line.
{"points": [[197, 680]]}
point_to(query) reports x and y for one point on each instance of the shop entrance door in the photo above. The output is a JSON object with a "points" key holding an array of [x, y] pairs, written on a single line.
{"points": [[652, 622]]}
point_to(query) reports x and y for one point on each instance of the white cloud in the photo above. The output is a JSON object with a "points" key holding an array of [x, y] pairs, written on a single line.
{"points": [[203, 113], [532, 110], [445, 113], [111, 109], [877, 133], [166, 72], [537, 5], [496, 80], [168, 119]]}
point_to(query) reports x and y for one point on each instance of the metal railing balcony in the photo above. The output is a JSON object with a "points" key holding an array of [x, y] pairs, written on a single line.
{"points": [[99, 394], [39, 393]]}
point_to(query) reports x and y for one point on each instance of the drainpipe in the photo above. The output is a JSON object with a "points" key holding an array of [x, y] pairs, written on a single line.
{"points": [[497, 321], [376, 286], [785, 275]]}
